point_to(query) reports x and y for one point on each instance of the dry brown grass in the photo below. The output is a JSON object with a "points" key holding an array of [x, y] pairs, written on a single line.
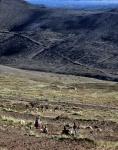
{"points": [[94, 101]]}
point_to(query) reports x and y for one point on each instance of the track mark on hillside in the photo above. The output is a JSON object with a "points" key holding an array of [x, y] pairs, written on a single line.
{"points": [[80, 64], [32, 40], [70, 60], [36, 53]]}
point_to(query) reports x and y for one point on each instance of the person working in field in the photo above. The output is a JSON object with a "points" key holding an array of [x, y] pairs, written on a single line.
{"points": [[65, 131], [75, 128], [37, 122], [45, 129]]}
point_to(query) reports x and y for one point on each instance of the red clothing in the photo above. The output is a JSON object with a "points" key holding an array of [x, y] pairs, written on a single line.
{"points": [[75, 127], [37, 125]]}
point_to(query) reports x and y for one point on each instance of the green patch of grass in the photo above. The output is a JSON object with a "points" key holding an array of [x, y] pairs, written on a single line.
{"points": [[2, 148], [107, 144], [63, 137], [88, 139], [31, 133], [64, 116]]}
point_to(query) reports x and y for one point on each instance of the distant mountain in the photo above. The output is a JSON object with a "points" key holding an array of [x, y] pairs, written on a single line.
{"points": [[61, 41], [90, 0], [84, 0]]}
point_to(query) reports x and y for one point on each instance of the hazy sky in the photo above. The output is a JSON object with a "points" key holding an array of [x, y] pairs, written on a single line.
{"points": [[73, 0]]}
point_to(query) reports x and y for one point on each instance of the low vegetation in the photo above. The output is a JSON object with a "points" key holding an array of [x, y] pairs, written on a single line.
{"points": [[90, 104]]}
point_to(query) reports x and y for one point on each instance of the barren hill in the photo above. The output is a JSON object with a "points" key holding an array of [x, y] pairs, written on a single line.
{"points": [[61, 41]]}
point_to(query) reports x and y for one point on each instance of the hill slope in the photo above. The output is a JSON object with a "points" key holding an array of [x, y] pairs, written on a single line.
{"points": [[53, 40]]}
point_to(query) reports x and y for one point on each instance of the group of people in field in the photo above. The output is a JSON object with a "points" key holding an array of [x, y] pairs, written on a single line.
{"points": [[64, 131], [38, 125], [73, 131]]}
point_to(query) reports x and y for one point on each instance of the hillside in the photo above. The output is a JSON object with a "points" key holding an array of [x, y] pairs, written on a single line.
{"points": [[91, 103], [60, 41]]}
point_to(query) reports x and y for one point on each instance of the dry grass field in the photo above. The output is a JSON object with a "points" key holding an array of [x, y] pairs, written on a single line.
{"points": [[88, 102]]}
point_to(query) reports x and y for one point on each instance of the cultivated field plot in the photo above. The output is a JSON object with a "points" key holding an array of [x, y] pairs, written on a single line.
{"points": [[92, 104]]}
